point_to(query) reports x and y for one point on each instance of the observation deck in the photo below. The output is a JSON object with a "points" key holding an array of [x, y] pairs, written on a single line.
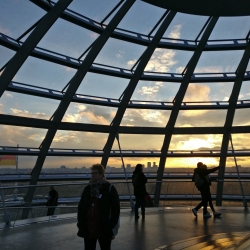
{"points": [[165, 227]]}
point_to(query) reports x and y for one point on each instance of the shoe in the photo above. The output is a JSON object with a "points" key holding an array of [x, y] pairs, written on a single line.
{"points": [[194, 211], [216, 213], [207, 215]]}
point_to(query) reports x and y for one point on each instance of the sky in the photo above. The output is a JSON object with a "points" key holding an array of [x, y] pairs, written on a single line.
{"points": [[16, 16]]}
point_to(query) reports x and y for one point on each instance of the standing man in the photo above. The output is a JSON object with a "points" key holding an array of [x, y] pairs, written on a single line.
{"points": [[52, 201], [139, 180], [203, 183]]}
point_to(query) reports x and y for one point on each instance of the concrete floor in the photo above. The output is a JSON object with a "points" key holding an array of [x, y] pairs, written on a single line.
{"points": [[168, 228]]}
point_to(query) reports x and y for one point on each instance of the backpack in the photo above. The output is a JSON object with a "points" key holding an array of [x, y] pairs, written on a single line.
{"points": [[117, 226], [197, 180], [136, 180]]}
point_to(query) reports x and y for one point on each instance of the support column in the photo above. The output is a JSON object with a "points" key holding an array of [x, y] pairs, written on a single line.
{"points": [[73, 85], [229, 120], [177, 104], [30, 43], [133, 83]]}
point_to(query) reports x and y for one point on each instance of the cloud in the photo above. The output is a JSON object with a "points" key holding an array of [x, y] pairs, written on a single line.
{"points": [[8, 95], [197, 92], [120, 54], [154, 118], [26, 113], [176, 32], [161, 61], [89, 114], [149, 90]]}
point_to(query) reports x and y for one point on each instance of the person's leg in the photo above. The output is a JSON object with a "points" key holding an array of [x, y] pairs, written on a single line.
{"points": [[105, 244], [89, 244], [136, 207], [143, 204], [210, 200], [199, 206], [204, 200]]}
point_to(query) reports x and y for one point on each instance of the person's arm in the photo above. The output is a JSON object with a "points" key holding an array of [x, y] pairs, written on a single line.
{"points": [[115, 207], [209, 171], [143, 178], [80, 210]]}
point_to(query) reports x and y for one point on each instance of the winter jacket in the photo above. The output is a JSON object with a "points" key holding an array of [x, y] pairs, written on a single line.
{"points": [[108, 208], [140, 188], [203, 173]]}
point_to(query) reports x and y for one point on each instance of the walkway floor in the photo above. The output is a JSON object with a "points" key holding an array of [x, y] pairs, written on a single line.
{"points": [[172, 228]]}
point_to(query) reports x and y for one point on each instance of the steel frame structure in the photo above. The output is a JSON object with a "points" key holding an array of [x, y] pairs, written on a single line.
{"points": [[83, 66]]}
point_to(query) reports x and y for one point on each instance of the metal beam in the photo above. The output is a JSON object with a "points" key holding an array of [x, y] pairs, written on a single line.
{"points": [[229, 120], [177, 104], [70, 92], [133, 83]]}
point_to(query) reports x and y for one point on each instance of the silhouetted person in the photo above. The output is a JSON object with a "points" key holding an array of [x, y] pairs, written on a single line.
{"points": [[204, 188], [52, 201], [139, 180]]}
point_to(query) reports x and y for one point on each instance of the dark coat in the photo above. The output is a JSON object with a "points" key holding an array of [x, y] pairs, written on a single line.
{"points": [[139, 190], [53, 198], [203, 173], [109, 211]]}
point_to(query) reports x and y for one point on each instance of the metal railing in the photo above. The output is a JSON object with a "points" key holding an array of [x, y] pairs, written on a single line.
{"points": [[173, 192]]}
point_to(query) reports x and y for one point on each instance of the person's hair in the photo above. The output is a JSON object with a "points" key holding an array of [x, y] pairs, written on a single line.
{"points": [[204, 166], [199, 164], [138, 167], [99, 168]]}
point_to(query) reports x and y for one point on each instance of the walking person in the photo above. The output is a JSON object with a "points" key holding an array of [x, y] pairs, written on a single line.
{"points": [[98, 211], [203, 183], [52, 201], [139, 180]]}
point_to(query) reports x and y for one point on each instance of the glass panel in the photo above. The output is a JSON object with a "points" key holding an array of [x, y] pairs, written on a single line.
{"points": [[145, 117], [86, 113], [230, 28], [244, 91], [145, 21], [150, 165], [79, 140], [241, 117], [102, 86], [44, 74], [217, 62], [119, 54], [201, 118], [196, 142], [189, 163], [62, 164], [6, 55], [206, 92], [18, 16], [93, 9], [168, 60], [155, 91], [25, 137], [27, 106], [240, 143], [185, 26], [137, 142], [67, 39]]}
